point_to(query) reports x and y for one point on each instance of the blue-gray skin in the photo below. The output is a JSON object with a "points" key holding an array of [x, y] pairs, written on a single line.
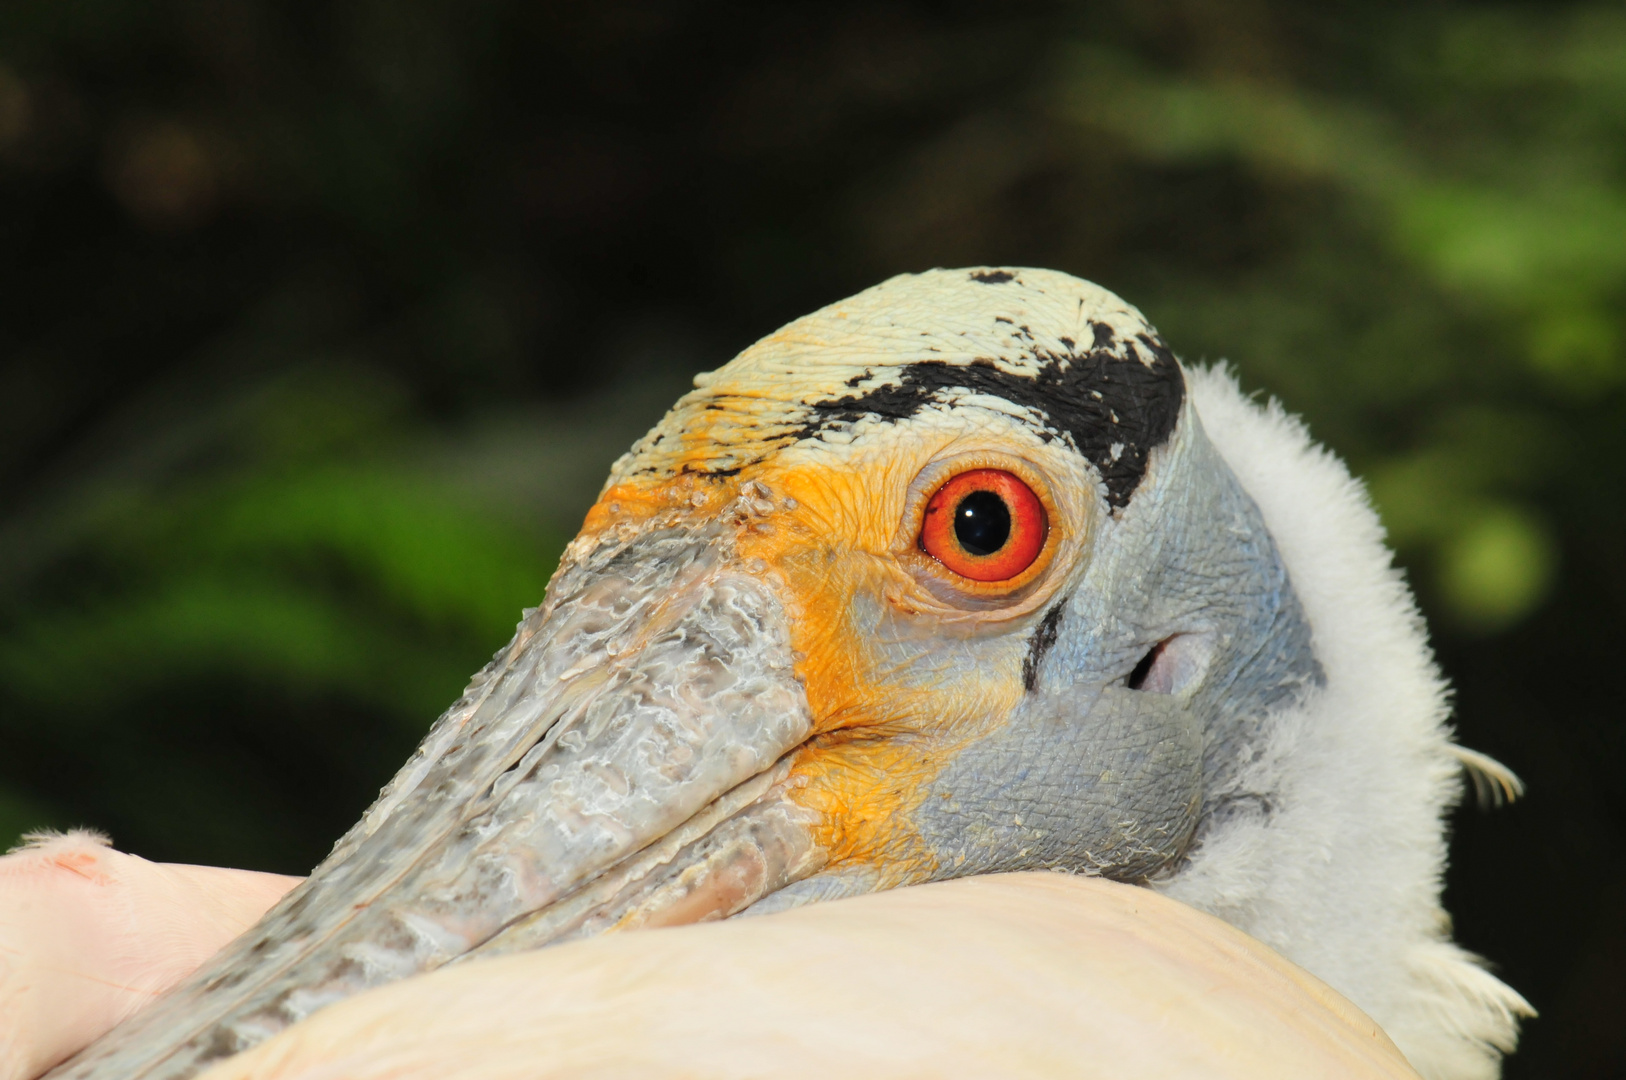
{"points": [[1103, 777], [1094, 775]]}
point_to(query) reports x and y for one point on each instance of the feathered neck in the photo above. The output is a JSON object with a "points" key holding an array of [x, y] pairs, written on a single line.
{"points": [[1338, 866]]}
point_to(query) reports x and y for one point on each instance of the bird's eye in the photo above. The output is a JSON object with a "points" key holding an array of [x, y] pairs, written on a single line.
{"points": [[984, 524]]}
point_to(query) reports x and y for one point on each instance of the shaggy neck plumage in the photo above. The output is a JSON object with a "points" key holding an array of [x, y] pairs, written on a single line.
{"points": [[1336, 860]]}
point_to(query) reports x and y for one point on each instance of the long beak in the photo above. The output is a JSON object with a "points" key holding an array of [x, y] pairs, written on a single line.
{"points": [[621, 763]]}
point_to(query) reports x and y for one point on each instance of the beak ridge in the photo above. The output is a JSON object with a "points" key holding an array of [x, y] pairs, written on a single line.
{"points": [[622, 763]]}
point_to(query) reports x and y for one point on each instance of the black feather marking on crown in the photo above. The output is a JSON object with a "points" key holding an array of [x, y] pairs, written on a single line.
{"points": [[1112, 406]]}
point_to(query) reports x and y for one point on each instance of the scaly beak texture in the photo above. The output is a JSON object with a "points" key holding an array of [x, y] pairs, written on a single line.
{"points": [[700, 714]]}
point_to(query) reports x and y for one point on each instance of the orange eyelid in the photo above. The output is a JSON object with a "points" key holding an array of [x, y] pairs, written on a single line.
{"points": [[1029, 526]]}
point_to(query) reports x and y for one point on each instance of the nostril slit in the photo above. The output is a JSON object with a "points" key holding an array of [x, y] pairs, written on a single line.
{"points": [[1137, 678]]}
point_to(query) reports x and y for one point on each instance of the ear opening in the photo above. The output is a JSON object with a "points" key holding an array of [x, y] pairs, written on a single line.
{"points": [[1173, 664], [1137, 678]]}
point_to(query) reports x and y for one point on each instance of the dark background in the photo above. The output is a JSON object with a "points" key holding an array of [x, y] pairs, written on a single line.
{"points": [[320, 324]]}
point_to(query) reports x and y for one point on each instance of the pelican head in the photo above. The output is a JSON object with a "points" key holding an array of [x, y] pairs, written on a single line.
{"points": [[945, 579]]}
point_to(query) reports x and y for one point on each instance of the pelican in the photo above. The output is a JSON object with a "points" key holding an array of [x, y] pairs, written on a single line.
{"points": [[965, 575]]}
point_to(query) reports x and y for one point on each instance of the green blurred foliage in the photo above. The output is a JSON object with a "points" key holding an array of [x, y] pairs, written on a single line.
{"points": [[320, 324], [1481, 170]]}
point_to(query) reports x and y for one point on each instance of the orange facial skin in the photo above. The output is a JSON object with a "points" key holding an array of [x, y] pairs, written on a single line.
{"points": [[897, 680], [863, 770]]}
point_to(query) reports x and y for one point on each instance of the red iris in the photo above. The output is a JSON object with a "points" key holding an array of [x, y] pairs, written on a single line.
{"points": [[984, 524]]}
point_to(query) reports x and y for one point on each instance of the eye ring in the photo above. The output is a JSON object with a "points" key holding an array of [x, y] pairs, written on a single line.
{"points": [[984, 524]]}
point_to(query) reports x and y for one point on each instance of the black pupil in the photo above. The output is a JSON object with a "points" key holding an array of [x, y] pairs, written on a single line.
{"points": [[982, 523]]}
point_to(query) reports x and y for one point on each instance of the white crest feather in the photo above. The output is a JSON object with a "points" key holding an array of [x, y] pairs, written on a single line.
{"points": [[1494, 783]]}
